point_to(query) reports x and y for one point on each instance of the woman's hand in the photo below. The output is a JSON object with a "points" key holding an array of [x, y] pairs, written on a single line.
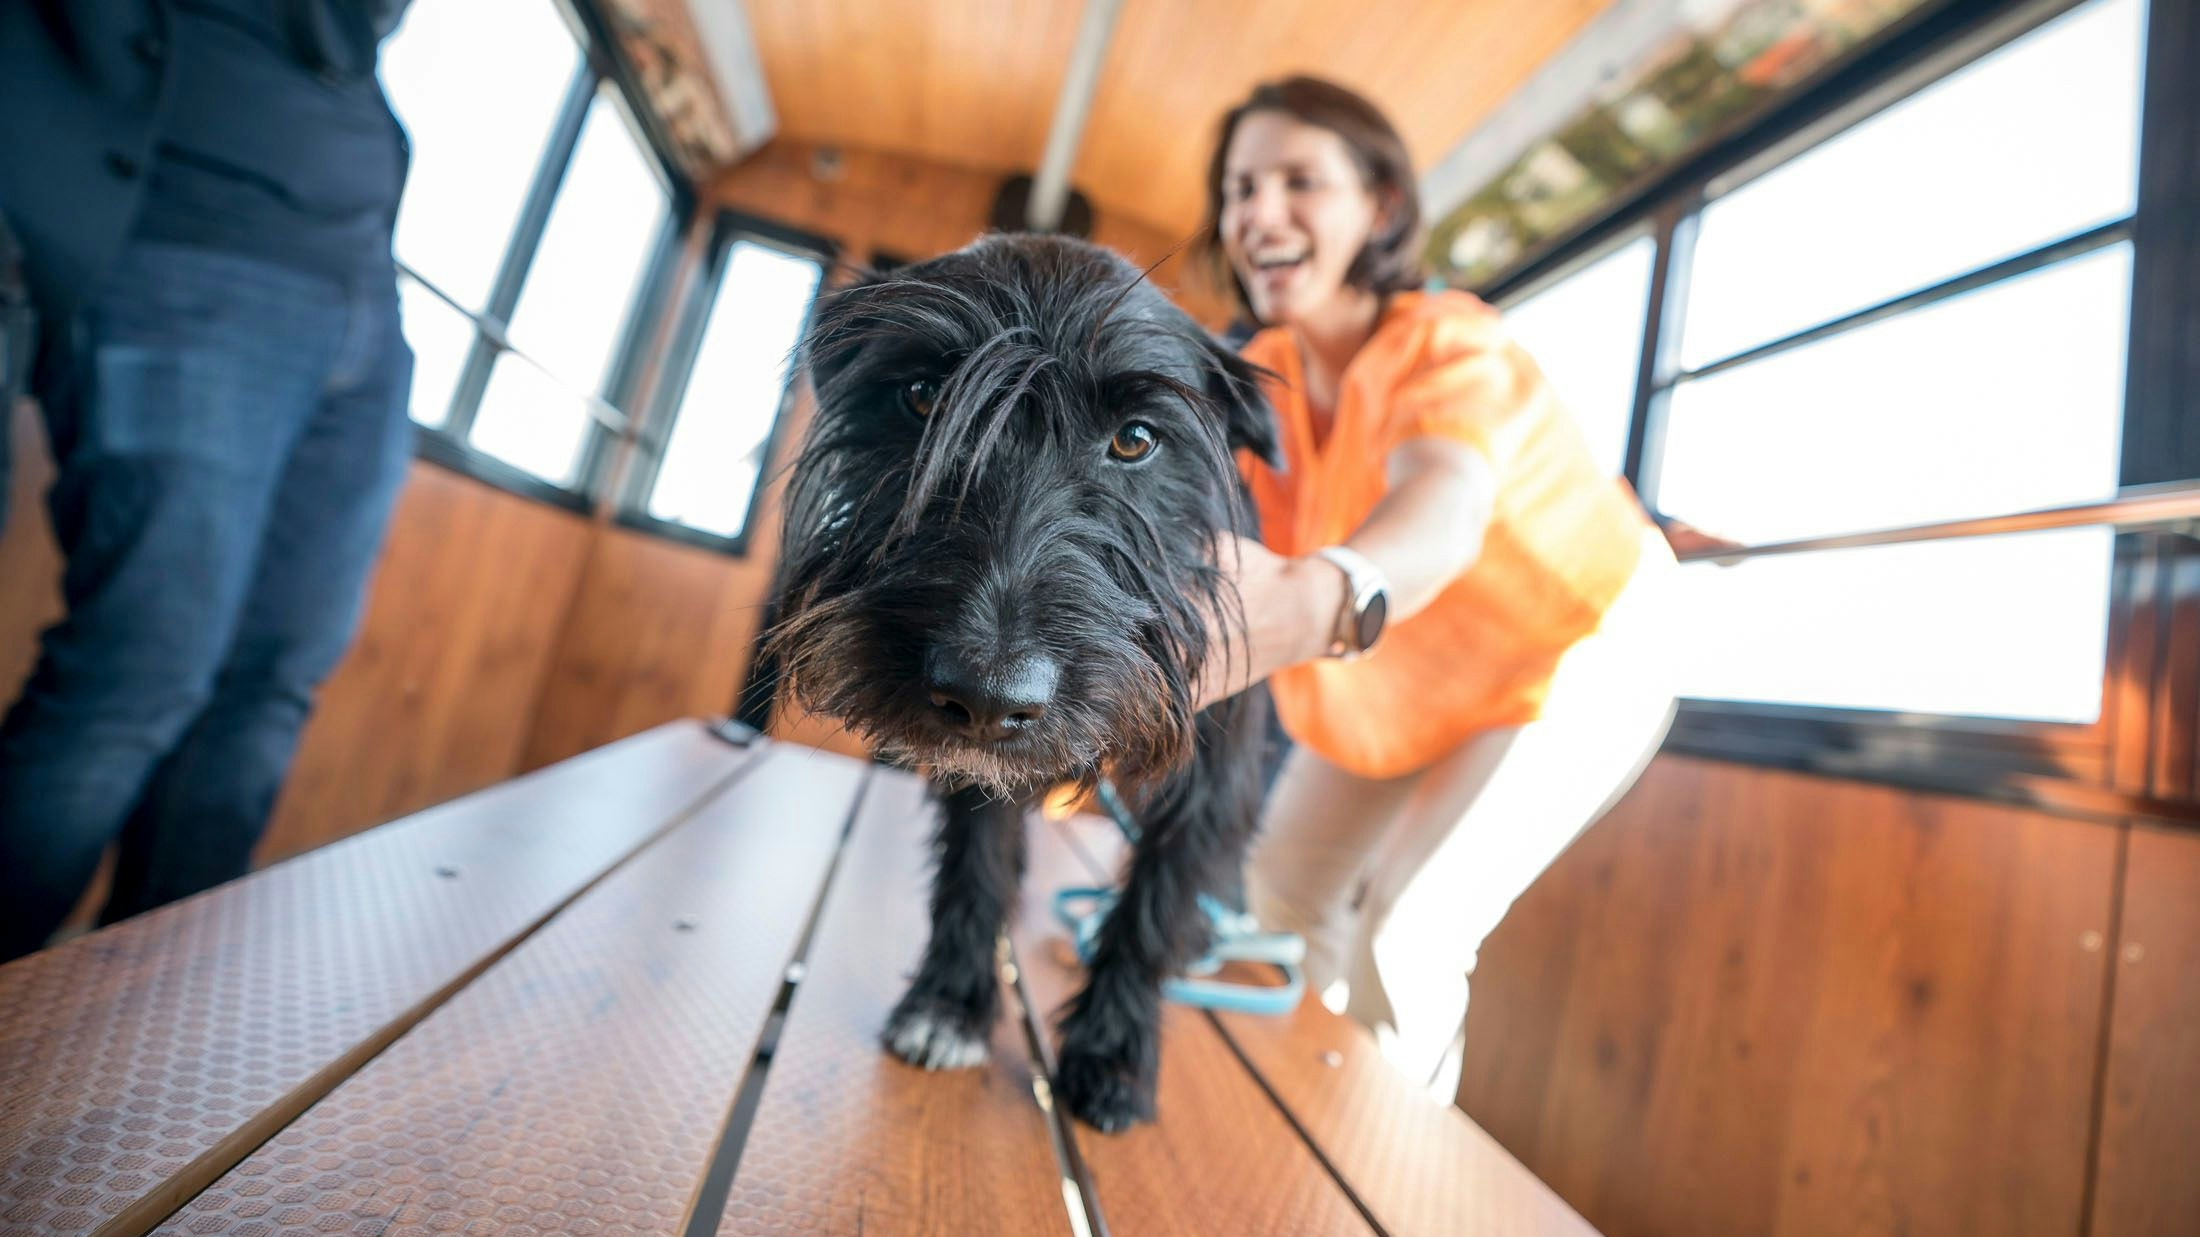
{"points": [[1687, 539], [1290, 607], [1423, 534]]}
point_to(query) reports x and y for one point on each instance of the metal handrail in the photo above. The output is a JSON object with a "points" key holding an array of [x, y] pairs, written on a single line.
{"points": [[2172, 503], [603, 413]]}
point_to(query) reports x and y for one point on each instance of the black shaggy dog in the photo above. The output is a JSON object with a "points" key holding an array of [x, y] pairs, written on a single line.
{"points": [[1000, 564]]}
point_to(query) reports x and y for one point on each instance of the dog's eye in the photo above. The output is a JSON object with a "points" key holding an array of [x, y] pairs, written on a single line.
{"points": [[918, 395], [1134, 442]]}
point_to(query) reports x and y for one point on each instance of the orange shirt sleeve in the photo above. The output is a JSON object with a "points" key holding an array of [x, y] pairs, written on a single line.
{"points": [[1471, 383]]}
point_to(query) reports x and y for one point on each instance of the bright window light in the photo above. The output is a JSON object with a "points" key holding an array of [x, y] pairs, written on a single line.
{"points": [[531, 421], [579, 291], [2001, 400], [440, 337], [734, 392], [477, 84], [2036, 141], [1585, 333], [2013, 627]]}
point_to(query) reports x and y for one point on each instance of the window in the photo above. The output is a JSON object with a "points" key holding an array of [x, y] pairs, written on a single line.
{"points": [[1997, 400], [1585, 333], [586, 273], [1989, 393], [532, 215], [532, 420], [478, 125], [440, 337], [722, 419], [2036, 141]]}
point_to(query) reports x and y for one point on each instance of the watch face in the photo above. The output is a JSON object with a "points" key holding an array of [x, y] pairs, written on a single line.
{"points": [[1371, 620]]}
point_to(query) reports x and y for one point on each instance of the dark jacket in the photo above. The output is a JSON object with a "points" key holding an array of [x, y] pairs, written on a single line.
{"points": [[85, 89], [82, 83]]}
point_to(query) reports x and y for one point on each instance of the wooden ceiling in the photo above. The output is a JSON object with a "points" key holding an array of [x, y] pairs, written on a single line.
{"points": [[974, 83], [964, 82]]}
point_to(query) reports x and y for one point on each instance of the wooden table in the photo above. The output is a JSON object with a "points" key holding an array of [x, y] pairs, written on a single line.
{"points": [[638, 993]]}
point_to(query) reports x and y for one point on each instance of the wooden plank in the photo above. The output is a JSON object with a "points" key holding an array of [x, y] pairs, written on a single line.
{"points": [[139, 1063], [849, 1140], [579, 1085], [1220, 1158], [1418, 1165], [1753, 1001], [2145, 1185]]}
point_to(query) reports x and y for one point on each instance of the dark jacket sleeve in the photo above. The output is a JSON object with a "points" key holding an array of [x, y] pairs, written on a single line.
{"points": [[81, 87]]}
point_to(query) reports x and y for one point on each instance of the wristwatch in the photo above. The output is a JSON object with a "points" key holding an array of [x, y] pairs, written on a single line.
{"points": [[1366, 604]]}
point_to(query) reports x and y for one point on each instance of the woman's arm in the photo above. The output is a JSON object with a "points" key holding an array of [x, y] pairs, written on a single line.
{"points": [[1424, 533]]}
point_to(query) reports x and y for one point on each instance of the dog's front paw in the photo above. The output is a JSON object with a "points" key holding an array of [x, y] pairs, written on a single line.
{"points": [[929, 1035], [1102, 1090]]}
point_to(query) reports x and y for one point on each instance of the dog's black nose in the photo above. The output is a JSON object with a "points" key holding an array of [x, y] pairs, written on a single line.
{"points": [[990, 702]]}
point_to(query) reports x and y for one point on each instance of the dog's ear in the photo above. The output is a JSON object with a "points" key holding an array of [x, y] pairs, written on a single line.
{"points": [[1233, 383], [835, 335]]}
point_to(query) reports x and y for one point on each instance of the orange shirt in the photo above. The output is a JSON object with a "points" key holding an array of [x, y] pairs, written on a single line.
{"points": [[1563, 538]]}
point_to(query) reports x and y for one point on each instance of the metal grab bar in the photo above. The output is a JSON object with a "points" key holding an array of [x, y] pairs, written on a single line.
{"points": [[2170, 503], [603, 413]]}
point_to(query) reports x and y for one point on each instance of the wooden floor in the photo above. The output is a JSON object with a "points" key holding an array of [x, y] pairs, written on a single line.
{"points": [[638, 993]]}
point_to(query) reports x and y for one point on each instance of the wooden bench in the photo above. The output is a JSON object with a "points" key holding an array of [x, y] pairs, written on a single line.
{"points": [[638, 993]]}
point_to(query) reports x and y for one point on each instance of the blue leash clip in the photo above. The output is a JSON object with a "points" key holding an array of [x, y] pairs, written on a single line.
{"points": [[1083, 909]]}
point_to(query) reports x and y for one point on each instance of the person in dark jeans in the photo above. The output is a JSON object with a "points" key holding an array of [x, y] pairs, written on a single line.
{"points": [[204, 192]]}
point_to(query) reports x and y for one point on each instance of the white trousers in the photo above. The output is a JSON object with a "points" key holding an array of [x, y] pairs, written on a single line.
{"points": [[1395, 882]]}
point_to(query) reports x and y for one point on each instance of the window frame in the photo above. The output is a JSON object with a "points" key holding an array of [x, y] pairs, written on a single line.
{"points": [[448, 443], [2076, 766], [692, 316]]}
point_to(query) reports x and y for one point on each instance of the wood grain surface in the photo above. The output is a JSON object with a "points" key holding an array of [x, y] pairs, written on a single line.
{"points": [[2146, 1184], [1751, 1001], [850, 1140], [140, 1062], [579, 1085], [1418, 1165], [1220, 1158]]}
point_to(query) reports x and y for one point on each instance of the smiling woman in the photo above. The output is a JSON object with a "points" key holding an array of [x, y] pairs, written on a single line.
{"points": [[1433, 481]]}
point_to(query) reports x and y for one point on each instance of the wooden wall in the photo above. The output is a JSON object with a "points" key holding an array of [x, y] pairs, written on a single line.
{"points": [[874, 201], [437, 696], [1752, 1001], [30, 566], [2145, 1181]]}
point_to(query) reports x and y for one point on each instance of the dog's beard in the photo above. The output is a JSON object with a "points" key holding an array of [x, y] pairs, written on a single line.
{"points": [[1113, 720]]}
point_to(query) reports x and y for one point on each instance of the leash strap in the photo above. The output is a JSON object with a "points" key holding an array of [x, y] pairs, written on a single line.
{"points": [[1236, 936]]}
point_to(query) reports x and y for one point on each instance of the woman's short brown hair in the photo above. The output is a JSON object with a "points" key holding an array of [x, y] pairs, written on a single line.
{"points": [[1391, 259]]}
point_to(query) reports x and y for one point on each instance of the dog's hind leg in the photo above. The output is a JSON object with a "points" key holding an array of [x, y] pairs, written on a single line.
{"points": [[944, 1019], [1192, 840]]}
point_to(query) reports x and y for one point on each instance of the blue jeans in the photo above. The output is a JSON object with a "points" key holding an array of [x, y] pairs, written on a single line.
{"points": [[229, 447]]}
